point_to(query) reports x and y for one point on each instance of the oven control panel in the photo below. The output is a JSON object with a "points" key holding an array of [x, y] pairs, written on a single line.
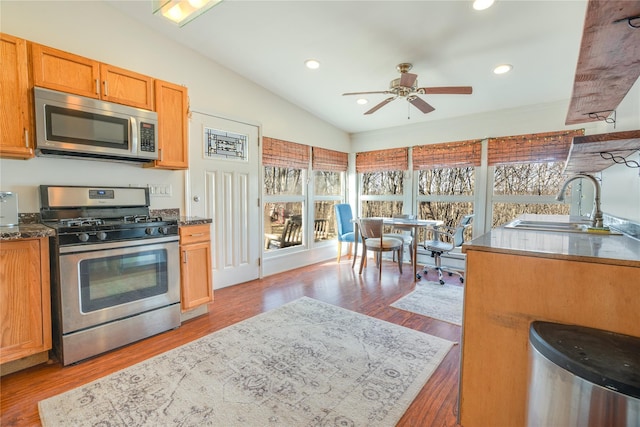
{"points": [[101, 194]]}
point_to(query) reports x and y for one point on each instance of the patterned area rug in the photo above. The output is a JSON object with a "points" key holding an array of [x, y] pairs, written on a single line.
{"points": [[442, 302], [306, 363]]}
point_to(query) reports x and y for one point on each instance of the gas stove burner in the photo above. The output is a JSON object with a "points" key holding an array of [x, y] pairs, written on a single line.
{"points": [[140, 218], [81, 222]]}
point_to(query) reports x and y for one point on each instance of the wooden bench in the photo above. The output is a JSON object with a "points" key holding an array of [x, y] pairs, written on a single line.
{"points": [[291, 234]]}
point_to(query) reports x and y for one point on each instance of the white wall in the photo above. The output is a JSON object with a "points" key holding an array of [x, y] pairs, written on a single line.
{"points": [[116, 39], [620, 184]]}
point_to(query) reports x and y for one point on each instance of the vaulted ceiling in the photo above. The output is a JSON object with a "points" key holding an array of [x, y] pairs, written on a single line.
{"points": [[360, 43]]}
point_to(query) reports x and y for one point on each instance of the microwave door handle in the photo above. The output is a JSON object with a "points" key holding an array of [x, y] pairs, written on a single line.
{"points": [[133, 133]]}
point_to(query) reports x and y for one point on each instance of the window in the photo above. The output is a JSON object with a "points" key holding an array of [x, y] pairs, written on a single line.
{"points": [[329, 183], [382, 181], [446, 179], [526, 188], [285, 170], [527, 174]]}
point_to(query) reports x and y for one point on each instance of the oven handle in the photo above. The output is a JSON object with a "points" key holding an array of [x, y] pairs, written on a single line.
{"points": [[116, 245]]}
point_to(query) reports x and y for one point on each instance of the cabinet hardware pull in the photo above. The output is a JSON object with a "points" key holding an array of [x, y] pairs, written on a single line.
{"points": [[197, 234], [184, 258], [26, 138], [106, 89], [97, 87]]}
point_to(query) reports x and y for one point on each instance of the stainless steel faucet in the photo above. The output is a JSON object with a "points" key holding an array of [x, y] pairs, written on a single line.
{"points": [[596, 213]]}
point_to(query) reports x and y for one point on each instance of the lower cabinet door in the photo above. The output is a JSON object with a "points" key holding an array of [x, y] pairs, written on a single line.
{"points": [[197, 288]]}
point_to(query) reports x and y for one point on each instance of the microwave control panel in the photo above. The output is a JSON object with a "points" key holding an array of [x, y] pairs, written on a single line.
{"points": [[147, 137]]}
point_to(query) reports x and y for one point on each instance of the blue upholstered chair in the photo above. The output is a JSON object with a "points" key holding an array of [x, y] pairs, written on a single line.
{"points": [[346, 233]]}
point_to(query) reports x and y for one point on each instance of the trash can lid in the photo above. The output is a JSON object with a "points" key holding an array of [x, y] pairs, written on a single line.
{"points": [[604, 358]]}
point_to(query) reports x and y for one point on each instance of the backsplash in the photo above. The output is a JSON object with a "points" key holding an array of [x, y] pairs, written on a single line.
{"points": [[29, 218], [165, 213], [630, 228]]}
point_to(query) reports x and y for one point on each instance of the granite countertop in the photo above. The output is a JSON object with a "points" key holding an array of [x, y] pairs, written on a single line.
{"points": [[586, 247], [26, 231], [193, 220]]}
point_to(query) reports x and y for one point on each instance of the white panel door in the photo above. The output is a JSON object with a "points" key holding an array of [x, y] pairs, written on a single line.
{"points": [[223, 184]]}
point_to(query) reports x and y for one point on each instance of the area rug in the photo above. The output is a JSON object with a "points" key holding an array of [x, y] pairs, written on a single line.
{"points": [[306, 363], [442, 302]]}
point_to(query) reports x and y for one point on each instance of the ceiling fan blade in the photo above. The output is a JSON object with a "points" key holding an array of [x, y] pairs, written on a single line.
{"points": [[446, 90], [364, 93], [382, 104], [420, 104], [408, 79]]}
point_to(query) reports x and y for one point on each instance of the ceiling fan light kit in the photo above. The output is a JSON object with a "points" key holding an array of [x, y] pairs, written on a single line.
{"points": [[406, 86]]}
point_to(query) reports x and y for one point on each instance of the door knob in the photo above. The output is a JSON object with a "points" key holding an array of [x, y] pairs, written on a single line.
{"points": [[196, 198]]}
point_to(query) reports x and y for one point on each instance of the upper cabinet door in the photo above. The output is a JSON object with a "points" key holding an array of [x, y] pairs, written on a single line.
{"points": [[59, 70], [63, 71], [16, 128], [126, 87], [172, 108]]}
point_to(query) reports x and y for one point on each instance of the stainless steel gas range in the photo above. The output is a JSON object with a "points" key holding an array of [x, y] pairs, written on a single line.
{"points": [[115, 275]]}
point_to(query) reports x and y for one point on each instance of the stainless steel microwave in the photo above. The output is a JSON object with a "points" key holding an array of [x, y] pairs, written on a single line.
{"points": [[75, 126]]}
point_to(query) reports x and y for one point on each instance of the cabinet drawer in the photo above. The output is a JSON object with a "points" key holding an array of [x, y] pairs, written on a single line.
{"points": [[195, 233]]}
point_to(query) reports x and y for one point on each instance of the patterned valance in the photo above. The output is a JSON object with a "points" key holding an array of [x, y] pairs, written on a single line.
{"points": [[450, 154], [382, 160], [279, 153], [531, 148]]}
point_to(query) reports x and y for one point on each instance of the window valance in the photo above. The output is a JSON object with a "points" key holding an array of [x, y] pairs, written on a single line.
{"points": [[531, 148], [450, 154], [329, 160], [276, 152], [382, 160]]}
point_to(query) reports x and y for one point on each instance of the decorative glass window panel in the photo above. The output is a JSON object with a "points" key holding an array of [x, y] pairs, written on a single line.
{"points": [[219, 144]]}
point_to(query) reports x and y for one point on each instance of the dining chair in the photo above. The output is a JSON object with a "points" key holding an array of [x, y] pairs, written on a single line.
{"points": [[374, 240], [403, 233], [344, 226], [446, 239]]}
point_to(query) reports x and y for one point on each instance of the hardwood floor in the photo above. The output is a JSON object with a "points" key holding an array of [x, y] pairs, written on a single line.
{"points": [[337, 284]]}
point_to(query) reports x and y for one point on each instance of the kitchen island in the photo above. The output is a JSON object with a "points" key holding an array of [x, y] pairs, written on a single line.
{"points": [[515, 277]]}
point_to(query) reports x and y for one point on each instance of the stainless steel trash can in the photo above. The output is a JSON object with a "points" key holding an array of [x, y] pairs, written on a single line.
{"points": [[582, 377]]}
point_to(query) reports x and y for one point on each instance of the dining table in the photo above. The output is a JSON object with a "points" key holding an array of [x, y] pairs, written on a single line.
{"points": [[413, 225]]}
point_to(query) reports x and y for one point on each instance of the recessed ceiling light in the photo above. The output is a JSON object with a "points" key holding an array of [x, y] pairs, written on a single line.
{"points": [[482, 4], [504, 68], [312, 64], [362, 101]]}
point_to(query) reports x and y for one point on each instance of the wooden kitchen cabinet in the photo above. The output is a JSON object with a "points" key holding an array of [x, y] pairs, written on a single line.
{"points": [[195, 266], [504, 293], [66, 72], [16, 133], [172, 106], [25, 304]]}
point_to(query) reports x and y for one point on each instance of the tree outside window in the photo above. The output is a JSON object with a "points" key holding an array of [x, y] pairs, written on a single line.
{"points": [[446, 194], [284, 201], [526, 188]]}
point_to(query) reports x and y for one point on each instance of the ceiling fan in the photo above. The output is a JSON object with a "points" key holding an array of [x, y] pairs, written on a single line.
{"points": [[407, 87]]}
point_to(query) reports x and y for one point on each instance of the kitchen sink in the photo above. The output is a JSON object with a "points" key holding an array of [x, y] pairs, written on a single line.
{"points": [[561, 226]]}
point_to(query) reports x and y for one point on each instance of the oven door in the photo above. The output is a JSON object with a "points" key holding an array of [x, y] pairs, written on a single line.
{"points": [[104, 282]]}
